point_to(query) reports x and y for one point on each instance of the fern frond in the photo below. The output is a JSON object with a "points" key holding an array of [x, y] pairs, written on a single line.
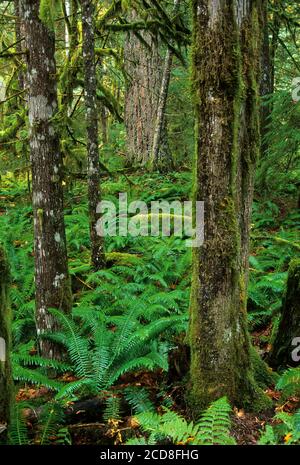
{"points": [[35, 377], [213, 427], [138, 399], [289, 382], [18, 433]]}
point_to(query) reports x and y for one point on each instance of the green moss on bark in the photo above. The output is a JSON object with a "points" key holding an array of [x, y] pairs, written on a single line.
{"points": [[263, 374], [225, 73], [289, 325]]}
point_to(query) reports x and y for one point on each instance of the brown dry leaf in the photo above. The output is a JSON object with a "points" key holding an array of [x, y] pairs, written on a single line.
{"points": [[119, 439], [133, 423], [287, 437], [273, 394], [184, 443], [239, 413], [31, 393], [68, 377]]}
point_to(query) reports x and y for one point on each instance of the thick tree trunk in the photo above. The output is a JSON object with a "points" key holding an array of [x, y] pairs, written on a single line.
{"points": [[226, 59], [51, 270], [5, 349], [286, 347], [145, 69], [90, 97]]}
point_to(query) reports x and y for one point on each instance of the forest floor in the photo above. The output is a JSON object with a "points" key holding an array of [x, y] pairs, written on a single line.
{"points": [[86, 416], [155, 272]]}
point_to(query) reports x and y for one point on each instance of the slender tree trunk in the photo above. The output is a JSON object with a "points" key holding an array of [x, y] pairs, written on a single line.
{"points": [[226, 56], [161, 109], [269, 49], [90, 97], [71, 43], [68, 76], [275, 28], [67, 13], [284, 352], [159, 128], [22, 78], [104, 128], [51, 270], [266, 84], [18, 36], [145, 69], [71, 67], [5, 349]]}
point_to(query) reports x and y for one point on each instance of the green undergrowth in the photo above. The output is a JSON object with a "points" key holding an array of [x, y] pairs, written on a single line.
{"points": [[128, 317]]}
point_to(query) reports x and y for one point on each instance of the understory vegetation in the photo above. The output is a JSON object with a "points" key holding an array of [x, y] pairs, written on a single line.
{"points": [[103, 335], [125, 341]]}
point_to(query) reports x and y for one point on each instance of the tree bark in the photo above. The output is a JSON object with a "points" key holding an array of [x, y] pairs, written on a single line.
{"points": [[284, 351], [67, 13], [5, 349], [144, 67], [71, 68], [90, 97], [269, 50], [51, 269], [266, 84], [275, 28], [156, 162], [226, 56], [104, 124], [18, 36]]}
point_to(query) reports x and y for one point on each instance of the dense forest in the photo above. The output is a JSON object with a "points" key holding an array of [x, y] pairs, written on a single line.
{"points": [[149, 222]]}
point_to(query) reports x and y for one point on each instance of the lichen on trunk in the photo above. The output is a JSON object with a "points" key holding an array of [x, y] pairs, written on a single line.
{"points": [[226, 50], [50, 250], [90, 98]]}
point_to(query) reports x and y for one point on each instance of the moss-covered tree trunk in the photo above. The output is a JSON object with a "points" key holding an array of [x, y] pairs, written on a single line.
{"points": [[226, 57], [50, 250], [286, 347], [5, 368], [90, 98]]}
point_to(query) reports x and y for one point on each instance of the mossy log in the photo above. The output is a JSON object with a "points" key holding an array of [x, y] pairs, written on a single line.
{"points": [[5, 368], [284, 352]]}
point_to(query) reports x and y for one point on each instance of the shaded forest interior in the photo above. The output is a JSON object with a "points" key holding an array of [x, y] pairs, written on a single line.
{"points": [[137, 337]]}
